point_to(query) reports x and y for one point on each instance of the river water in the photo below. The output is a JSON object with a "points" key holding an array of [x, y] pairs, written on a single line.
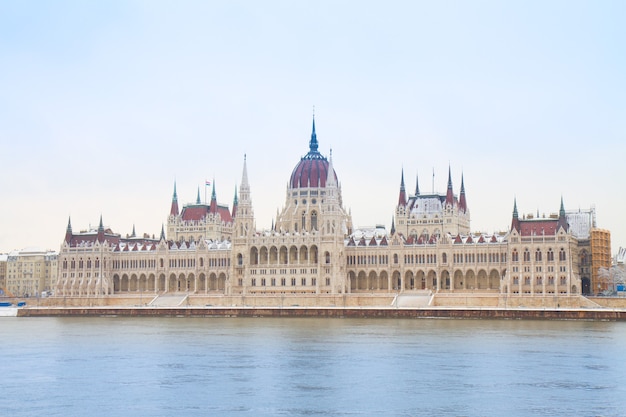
{"points": [[310, 367]]}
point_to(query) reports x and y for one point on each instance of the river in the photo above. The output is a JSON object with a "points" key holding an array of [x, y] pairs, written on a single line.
{"points": [[311, 367]]}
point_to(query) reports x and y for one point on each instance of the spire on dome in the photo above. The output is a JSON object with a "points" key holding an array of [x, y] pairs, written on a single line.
{"points": [[198, 201], [402, 196], [449, 192], [313, 143], [174, 207]]}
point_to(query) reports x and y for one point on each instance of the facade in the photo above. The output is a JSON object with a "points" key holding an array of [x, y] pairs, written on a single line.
{"points": [[30, 272], [313, 247], [3, 273]]}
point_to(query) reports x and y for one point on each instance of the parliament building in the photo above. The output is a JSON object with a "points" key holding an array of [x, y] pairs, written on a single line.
{"points": [[313, 248]]}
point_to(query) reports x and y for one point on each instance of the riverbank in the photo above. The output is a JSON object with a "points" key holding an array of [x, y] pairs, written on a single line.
{"points": [[411, 305], [331, 312]]}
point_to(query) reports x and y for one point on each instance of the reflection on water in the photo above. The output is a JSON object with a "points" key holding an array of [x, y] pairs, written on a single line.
{"points": [[327, 367]]}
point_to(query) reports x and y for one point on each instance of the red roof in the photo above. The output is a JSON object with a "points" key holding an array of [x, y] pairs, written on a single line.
{"points": [[547, 227], [199, 212], [310, 173]]}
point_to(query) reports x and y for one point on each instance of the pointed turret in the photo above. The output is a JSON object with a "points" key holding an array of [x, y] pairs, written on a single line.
{"points": [[244, 215], [68, 231], [213, 208], [198, 201], [235, 204], [402, 196], [162, 233], [515, 221], [449, 192], [100, 237], [462, 201], [331, 180], [133, 234], [562, 218], [174, 208], [393, 225], [417, 186]]}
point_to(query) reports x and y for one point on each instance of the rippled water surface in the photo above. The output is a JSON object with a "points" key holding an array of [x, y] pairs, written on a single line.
{"points": [[321, 367]]}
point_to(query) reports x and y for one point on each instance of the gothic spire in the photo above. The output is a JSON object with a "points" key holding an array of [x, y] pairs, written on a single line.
{"points": [[313, 143], [393, 225], [235, 203], [68, 231], [174, 207], [402, 196], [462, 200], [198, 201], [162, 232], [213, 208], [100, 236], [449, 192], [417, 186], [515, 221]]}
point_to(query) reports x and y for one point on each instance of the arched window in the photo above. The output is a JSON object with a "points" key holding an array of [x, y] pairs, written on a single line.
{"points": [[395, 258], [526, 255], [538, 255], [562, 256], [515, 256], [313, 221], [239, 259], [303, 221], [550, 255]]}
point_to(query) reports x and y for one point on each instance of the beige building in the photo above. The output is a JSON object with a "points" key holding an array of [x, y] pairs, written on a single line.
{"points": [[313, 248], [3, 273], [31, 271]]}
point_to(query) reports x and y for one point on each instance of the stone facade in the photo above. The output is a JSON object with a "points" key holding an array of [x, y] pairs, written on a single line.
{"points": [[312, 248], [30, 272]]}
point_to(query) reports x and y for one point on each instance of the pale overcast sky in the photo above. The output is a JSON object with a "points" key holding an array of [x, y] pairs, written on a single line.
{"points": [[104, 105]]}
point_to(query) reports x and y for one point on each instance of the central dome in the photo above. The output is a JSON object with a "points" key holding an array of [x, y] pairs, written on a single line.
{"points": [[312, 170]]}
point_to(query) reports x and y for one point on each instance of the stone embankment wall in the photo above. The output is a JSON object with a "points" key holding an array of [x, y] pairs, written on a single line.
{"points": [[329, 312]]}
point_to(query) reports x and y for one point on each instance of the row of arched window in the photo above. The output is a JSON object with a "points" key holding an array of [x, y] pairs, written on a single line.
{"points": [[526, 255]]}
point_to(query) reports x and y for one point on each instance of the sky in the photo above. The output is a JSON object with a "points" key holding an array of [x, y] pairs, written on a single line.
{"points": [[105, 105]]}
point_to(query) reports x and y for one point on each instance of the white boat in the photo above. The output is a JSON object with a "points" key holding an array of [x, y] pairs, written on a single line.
{"points": [[8, 311]]}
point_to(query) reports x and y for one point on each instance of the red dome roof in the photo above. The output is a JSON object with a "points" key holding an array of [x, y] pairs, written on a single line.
{"points": [[310, 173], [312, 170]]}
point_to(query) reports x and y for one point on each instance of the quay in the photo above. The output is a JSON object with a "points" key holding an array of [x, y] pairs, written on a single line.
{"points": [[331, 312]]}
